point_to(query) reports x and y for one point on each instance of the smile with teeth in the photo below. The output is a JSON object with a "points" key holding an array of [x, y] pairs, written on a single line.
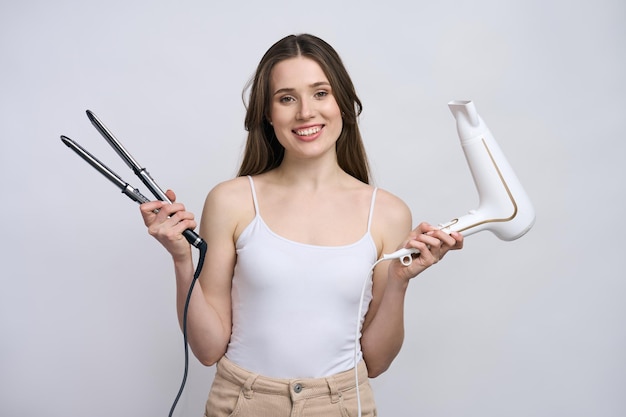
{"points": [[309, 131]]}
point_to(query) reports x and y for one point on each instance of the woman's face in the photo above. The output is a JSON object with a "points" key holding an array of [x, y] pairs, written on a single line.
{"points": [[303, 111]]}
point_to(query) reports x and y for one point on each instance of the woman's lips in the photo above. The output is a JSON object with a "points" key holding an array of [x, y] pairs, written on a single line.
{"points": [[309, 132]]}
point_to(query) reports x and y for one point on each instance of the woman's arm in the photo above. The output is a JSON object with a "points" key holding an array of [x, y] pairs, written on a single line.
{"points": [[209, 313], [383, 329]]}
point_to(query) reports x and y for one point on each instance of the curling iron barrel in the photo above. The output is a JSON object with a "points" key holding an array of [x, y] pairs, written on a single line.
{"points": [[504, 207]]}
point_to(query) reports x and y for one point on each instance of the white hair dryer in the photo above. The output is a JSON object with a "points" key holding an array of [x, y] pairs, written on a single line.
{"points": [[504, 207]]}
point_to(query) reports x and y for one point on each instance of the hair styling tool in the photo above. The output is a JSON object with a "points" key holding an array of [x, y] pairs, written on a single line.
{"points": [[140, 171], [504, 207], [134, 194]]}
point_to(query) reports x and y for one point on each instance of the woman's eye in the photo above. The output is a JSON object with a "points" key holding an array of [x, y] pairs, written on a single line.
{"points": [[286, 99], [321, 94]]}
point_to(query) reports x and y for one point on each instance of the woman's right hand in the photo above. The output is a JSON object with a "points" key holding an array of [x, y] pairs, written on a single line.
{"points": [[166, 223]]}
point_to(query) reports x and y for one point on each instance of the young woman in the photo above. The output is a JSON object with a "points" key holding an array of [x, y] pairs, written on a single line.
{"points": [[291, 242]]}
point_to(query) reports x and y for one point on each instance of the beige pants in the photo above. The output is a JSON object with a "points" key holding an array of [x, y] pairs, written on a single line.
{"points": [[237, 392]]}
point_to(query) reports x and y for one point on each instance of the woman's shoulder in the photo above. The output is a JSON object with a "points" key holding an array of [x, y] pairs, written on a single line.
{"points": [[229, 195], [387, 206], [390, 204], [392, 217], [228, 208], [235, 185]]}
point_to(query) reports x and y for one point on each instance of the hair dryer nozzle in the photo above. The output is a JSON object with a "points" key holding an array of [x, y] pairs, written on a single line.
{"points": [[504, 207], [468, 120]]}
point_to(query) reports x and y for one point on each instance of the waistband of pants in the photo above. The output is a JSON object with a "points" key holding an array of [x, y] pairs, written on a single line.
{"points": [[297, 388]]}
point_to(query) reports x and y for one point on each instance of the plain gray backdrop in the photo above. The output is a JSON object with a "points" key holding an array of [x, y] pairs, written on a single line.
{"points": [[534, 327]]}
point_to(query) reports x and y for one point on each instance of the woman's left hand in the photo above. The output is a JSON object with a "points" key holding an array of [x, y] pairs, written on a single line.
{"points": [[432, 244]]}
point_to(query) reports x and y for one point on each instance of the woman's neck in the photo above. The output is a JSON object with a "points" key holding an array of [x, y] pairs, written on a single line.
{"points": [[309, 174]]}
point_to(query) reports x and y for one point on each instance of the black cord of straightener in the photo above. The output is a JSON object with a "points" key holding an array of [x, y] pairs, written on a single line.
{"points": [[202, 248]]}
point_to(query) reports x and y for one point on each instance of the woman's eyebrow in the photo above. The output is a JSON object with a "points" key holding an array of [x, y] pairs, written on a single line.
{"points": [[287, 90]]}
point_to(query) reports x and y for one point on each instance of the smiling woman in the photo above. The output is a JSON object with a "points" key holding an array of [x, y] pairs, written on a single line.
{"points": [[303, 110], [533, 328], [262, 149], [292, 243]]}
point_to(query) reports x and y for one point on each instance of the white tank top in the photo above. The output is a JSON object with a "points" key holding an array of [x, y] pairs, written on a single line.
{"points": [[295, 305]]}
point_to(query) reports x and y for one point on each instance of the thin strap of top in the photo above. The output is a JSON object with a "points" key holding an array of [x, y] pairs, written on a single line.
{"points": [[254, 199], [369, 221]]}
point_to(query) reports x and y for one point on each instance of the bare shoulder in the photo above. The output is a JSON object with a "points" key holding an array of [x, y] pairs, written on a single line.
{"points": [[392, 220], [229, 193], [228, 206], [391, 208]]}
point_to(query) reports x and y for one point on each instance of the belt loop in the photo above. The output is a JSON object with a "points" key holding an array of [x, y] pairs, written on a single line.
{"points": [[335, 394], [247, 386]]}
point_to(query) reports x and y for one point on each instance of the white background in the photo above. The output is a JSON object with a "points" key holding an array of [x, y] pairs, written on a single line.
{"points": [[534, 327]]}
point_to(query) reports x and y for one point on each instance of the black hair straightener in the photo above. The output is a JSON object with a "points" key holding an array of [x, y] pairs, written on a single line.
{"points": [[134, 194]]}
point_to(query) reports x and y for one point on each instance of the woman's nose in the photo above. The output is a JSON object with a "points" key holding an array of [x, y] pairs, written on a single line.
{"points": [[305, 111]]}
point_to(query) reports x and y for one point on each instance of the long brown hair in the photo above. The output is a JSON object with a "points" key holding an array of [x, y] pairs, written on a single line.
{"points": [[263, 152]]}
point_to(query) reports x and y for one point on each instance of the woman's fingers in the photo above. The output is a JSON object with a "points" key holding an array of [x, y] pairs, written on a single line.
{"points": [[432, 244], [171, 195]]}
